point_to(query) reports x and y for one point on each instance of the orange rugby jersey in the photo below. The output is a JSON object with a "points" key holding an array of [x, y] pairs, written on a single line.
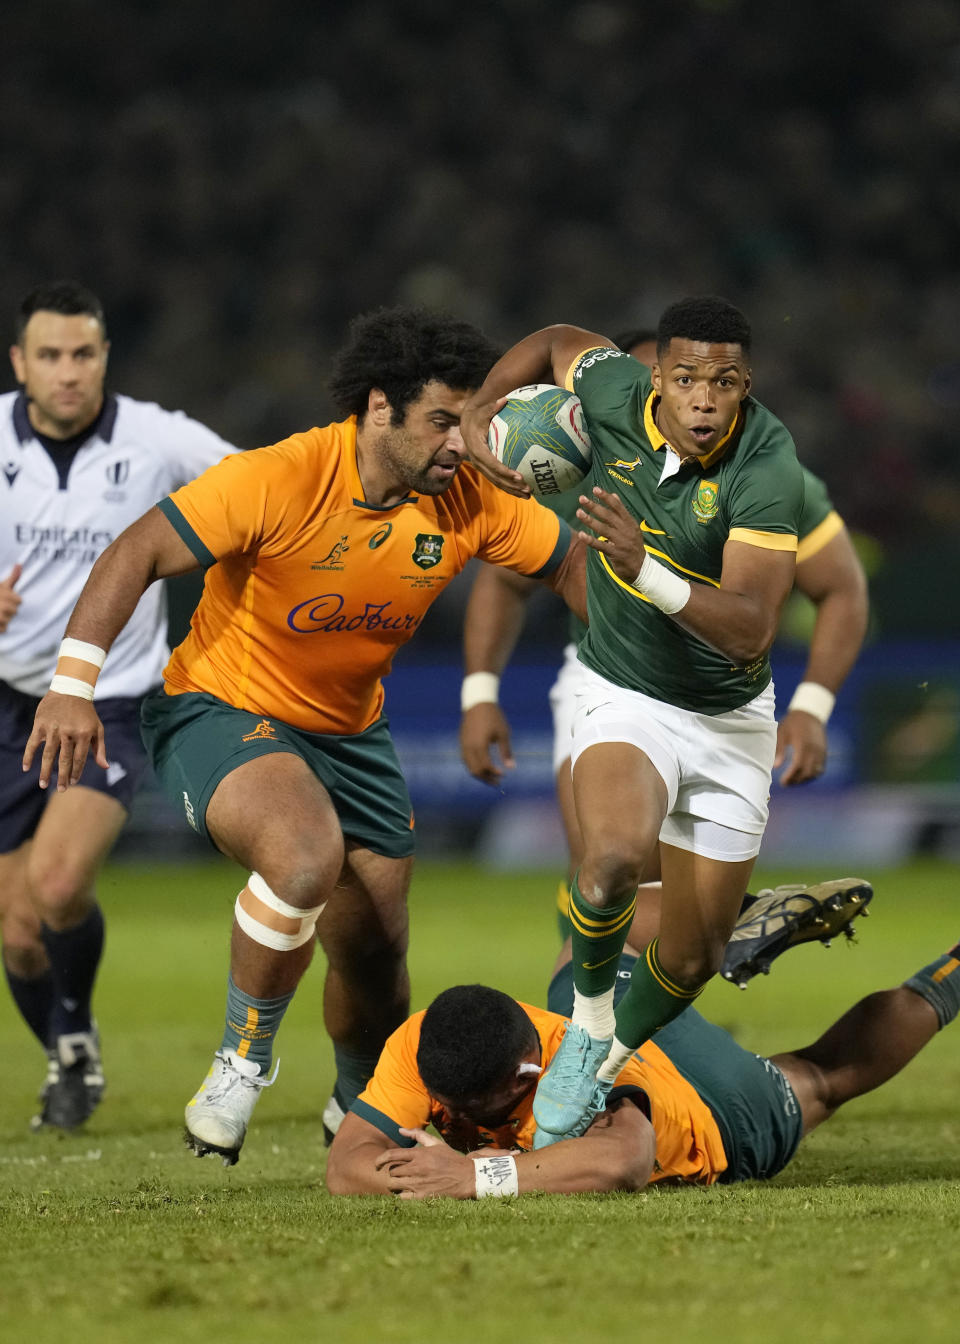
{"points": [[689, 1146], [309, 591]]}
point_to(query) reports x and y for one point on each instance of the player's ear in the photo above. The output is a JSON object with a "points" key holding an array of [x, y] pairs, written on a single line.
{"points": [[747, 382], [16, 359], [379, 411], [656, 377]]}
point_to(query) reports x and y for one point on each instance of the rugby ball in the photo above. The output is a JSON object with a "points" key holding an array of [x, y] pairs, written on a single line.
{"points": [[540, 433]]}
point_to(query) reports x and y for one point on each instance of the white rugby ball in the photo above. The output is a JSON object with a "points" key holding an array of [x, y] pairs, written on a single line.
{"points": [[540, 433]]}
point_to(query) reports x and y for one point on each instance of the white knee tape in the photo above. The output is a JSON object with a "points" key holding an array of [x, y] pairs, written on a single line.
{"points": [[262, 933]]}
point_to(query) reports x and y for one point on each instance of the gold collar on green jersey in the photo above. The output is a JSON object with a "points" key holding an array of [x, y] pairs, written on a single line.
{"points": [[657, 441]]}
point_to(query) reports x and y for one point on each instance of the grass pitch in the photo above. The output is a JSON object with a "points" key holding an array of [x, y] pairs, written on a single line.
{"points": [[117, 1234]]}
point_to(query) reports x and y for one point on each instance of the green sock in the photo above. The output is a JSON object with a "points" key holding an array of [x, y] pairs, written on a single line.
{"points": [[564, 924], [354, 1071], [939, 984], [598, 937], [652, 1000], [252, 1024]]}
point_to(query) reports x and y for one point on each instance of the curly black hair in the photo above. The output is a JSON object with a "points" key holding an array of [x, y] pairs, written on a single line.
{"points": [[707, 318], [400, 350], [634, 336], [59, 296], [471, 1039]]}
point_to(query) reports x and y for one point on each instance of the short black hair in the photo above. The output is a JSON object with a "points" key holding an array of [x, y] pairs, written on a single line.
{"points": [[472, 1037], [634, 336], [400, 350], [707, 318], [68, 297]]}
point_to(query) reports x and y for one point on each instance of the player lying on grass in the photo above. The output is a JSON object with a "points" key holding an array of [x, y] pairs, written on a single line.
{"points": [[693, 1108]]}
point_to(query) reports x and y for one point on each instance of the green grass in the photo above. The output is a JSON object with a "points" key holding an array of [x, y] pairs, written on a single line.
{"points": [[119, 1235]]}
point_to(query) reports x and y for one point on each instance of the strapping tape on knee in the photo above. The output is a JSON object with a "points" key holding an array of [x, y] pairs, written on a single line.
{"points": [[262, 933]]}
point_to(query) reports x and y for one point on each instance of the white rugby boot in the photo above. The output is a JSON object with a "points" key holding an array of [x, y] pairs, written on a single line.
{"points": [[218, 1114]]}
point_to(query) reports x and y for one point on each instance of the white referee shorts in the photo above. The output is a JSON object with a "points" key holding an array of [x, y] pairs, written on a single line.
{"points": [[563, 701], [716, 767]]}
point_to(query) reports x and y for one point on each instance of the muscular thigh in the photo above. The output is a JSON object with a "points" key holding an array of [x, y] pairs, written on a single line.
{"points": [[620, 800], [700, 900], [368, 907], [272, 815]]}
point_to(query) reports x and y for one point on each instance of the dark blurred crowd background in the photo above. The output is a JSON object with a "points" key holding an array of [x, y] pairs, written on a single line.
{"points": [[237, 181]]}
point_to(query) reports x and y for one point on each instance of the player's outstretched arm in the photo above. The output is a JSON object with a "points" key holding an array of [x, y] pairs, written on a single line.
{"points": [[835, 582], [543, 356], [66, 726], [616, 1153], [492, 623], [352, 1163]]}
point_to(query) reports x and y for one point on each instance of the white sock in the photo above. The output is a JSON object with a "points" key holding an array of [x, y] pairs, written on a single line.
{"points": [[614, 1062], [595, 1014]]}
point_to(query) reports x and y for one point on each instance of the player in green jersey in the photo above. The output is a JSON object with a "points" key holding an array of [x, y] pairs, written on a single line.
{"points": [[691, 513]]}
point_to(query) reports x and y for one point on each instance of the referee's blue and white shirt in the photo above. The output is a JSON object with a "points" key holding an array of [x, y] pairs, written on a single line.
{"points": [[62, 504]]}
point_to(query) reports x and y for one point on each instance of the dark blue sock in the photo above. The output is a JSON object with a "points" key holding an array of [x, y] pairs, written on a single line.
{"points": [[34, 999], [74, 958]]}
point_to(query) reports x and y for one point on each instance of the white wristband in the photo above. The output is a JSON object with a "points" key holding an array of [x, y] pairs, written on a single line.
{"points": [[496, 1176], [71, 686], [478, 688], [661, 586], [87, 653], [812, 698]]}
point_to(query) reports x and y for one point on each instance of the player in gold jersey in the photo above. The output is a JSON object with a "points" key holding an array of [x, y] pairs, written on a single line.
{"points": [[691, 1108], [322, 554]]}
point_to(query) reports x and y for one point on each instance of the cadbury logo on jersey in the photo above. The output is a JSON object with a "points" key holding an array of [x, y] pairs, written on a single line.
{"points": [[326, 614]]}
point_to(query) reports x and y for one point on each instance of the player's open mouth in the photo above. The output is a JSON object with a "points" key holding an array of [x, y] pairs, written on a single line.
{"points": [[702, 433]]}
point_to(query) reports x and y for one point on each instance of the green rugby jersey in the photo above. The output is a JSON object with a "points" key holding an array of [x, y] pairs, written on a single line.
{"points": [[749, 488]]}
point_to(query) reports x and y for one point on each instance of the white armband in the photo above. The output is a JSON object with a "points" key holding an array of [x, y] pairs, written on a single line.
{"points": [[86, 653], [71, 686], [661, 586], [496, 1176], [478, 688], [812, 698]]}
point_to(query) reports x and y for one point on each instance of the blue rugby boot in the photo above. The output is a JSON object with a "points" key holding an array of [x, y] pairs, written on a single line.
{"points": [[568, 1087]]}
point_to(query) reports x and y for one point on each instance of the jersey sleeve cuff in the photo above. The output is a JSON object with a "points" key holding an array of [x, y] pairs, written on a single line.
{"points": [[186, 533], [382, 1122], [558, 552], [768, 541], [819, 537]]}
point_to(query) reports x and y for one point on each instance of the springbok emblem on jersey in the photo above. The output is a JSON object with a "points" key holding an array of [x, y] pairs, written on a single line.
{"points": [[707, 501]]}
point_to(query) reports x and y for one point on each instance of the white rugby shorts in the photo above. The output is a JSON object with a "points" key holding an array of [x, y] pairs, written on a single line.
{"points": [[563, 701], [716, 767]]}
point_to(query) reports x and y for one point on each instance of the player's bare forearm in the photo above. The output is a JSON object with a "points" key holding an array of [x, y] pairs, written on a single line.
{"points": [[147, 550], [66, 726], [494, 618], [738, 619], [543, 356], [352, 1162], [835, 582], [739, 623], [617, 1153]]}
